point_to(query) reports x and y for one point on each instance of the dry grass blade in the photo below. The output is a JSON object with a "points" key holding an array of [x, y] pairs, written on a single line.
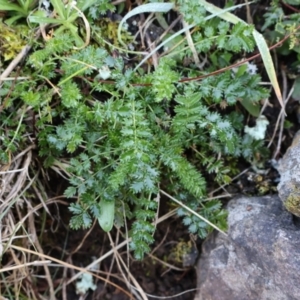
{"points": [[12, 186], [193, 212], [62, 263], [119, 260], [268, 62], [149, 7], [19, 266], [191, 45], [40, 249]]}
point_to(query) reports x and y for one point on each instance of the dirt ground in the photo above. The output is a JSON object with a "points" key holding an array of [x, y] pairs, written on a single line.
{"points": [[161, 275]]}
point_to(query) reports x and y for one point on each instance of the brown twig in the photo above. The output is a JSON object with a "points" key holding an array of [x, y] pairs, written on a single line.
{"points": [[15, 62], [281, 116], [35, 242], [81, 270], [292, 8]]}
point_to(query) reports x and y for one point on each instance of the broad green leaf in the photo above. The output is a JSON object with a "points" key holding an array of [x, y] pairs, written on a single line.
{"points": [[85, 4], [44, 20], [7, 6], [223, 13], [252, 108], [107, 214], [59, 7], [293, 2], [296, 91], [12, 20]]}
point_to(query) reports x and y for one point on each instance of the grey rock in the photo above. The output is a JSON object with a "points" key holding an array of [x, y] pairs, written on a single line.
{"points": [[260, 257], [289, 169]]}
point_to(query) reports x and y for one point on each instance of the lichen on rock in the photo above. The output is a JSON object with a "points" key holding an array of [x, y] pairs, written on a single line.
{"points": [[289, 169], [292, 203], [259, 259]]}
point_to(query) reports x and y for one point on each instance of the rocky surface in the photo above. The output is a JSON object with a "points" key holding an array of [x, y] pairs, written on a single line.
{"points": [[289, 169], [260, 257]]}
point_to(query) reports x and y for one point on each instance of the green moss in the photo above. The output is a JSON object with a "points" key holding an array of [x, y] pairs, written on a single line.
{"points": [[11, 41]]}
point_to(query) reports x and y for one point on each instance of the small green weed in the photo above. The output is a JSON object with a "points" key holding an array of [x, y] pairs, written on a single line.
{"points": [[126, 139]]}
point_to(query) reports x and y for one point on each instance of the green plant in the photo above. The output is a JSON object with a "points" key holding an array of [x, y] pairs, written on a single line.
{"points": [[125, 141], [18, 9], [279, 23]]}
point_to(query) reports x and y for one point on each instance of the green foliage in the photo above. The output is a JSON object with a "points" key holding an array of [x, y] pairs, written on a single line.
{"points": [[126, 138], [164, 79], [17, 9], [210, 210], [278, 24], [192, 11]]}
